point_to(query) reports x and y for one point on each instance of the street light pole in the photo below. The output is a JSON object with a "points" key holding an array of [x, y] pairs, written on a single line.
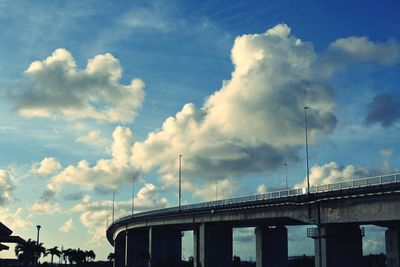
{"points": [[133, 194], [37, 242], [307, 167], [287, 187], [113, 207], [38, 230], [180, 181]]}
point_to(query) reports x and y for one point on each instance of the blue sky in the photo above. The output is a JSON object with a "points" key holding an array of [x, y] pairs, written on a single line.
{"points": [[94, 93]]}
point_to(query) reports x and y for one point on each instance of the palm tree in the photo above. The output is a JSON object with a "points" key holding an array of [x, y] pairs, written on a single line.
{"points": [[29, 251], [67, 255], [54, 251], [25, 251], [111, 256], [39, 250], [90, 255]]}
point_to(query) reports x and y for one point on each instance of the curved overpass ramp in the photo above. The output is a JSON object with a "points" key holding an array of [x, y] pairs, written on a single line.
{"points": [[337, 209]]}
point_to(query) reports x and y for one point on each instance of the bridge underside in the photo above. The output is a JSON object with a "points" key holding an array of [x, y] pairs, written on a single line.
{"points": [[338, 240]]}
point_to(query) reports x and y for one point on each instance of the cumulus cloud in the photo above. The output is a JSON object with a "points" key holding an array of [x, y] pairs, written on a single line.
{"points": [[94, 215], [244, 234], [254, 122], [14, 219], [261, 189], [384, 109], [361, 49], [45, 207], [332, 172], [47, 166], [58, 89], [6, 187], [386, 154], [110, 173], [221, 189], [68, 226], [93, 138]]}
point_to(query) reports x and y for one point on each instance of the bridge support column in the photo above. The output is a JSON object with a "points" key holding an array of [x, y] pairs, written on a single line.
{"points": [[271, 247], [165, 246], [392, 237], [138, 248], [338, 245], [119, 250], [213, 245]]}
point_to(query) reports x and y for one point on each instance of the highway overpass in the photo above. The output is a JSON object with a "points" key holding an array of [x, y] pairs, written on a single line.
{"points": [[334, 212]]}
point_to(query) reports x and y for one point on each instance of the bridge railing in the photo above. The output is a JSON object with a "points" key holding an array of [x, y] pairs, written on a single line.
{"points": [[362, 182]]}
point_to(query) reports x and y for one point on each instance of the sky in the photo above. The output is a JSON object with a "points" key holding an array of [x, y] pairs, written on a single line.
{"points": [[97, 95]]}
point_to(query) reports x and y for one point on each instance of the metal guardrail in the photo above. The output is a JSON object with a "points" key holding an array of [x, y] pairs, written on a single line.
{"points": [[363, 182]]}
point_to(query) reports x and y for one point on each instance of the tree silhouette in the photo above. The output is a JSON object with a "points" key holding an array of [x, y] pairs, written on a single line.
{"points": [[111, 256], [29, 251], [90, 255], [53, 251]]}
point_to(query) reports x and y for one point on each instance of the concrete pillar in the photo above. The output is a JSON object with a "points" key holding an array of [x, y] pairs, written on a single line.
{"points": [[339, 246], [213, 245], [119, 250], [271, 247], [196, 247], [392, 237], [165, 246], [138, 248]]}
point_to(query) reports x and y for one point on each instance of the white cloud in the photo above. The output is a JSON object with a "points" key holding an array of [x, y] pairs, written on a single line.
{"points": [[110, 173], [94, 215], [371, 246], [58, 88], [209, 191], [261, 189], [47, 166], [93, 138], [254, 122], [361, 49], [332, 172], [386, 154], [13, 219], [6, 187], [45, 207], [68, 226]]}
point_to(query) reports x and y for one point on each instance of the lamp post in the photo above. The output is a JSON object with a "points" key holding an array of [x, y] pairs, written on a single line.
{"points": [[287, 187], [38, 230], [113, 207], [37, 242], [180, 181], [307, 168], [133, 194]]}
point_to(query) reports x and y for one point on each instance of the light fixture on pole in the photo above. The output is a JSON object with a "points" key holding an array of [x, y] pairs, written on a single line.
{"points": [[307, 167], [287, 187], [180, 181], [133, 194], [38, 230], [37, 242]]}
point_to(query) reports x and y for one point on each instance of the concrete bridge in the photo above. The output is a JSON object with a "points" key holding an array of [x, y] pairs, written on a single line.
{"points": [[336, 211]]}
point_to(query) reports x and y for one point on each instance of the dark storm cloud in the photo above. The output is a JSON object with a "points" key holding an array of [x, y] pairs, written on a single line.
{"points": [[384, 109]]}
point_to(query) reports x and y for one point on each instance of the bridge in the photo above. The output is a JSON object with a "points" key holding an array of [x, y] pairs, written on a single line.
{"points": [[335, 213]]}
